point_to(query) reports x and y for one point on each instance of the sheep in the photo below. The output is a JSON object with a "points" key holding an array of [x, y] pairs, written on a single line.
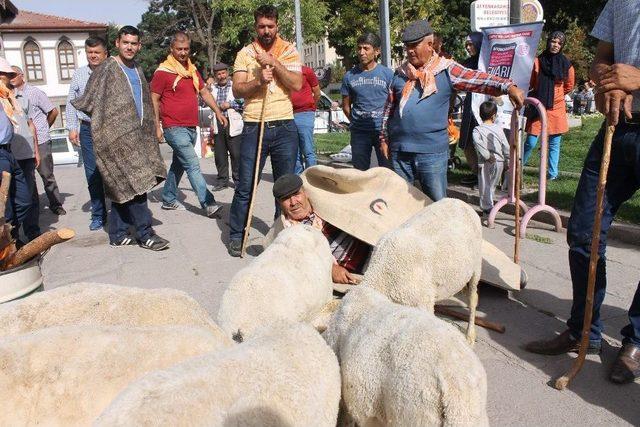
{"points": [[430, 257], [284, 375], [402, 366], [68, 375], [98, 304], [290, 280]]}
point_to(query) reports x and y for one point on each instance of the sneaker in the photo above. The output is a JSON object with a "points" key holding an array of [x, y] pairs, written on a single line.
{"points": [[173, 206], [235, 248], [212, 210], [155, 243], [560, 344], [59, 211], [96, 224], [124, 241], [220, 186]]}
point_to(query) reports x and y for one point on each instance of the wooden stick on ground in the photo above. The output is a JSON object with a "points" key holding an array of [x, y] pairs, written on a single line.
{"points": [[562, 382], [38, 245], [256, 173], [464, 316], [517, 166], [4, 192]]}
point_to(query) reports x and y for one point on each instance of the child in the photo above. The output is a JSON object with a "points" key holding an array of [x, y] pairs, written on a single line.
{"points": [[493, 152]]}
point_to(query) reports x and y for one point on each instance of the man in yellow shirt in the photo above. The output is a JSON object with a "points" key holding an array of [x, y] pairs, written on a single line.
{"points": [[266, 70]]}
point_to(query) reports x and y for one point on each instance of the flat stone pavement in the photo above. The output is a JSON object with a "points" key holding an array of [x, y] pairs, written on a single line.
{"points": [[519, 391]]}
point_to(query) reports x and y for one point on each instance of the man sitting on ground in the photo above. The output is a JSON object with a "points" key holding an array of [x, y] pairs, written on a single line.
{"points": [[351, 255]]}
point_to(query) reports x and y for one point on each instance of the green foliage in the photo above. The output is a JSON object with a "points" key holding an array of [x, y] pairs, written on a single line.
{"points": [[577, 50]]}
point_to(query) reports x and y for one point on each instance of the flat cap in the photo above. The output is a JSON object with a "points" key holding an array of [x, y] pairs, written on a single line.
{"points": [[286, 185], [416, 31], [220, 66]]}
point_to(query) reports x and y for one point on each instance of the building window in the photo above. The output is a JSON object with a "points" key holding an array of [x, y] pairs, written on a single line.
{"points": [[33, 62], [66, 59]]}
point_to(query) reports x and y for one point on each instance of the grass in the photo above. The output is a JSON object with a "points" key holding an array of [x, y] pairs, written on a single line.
{"points": [[560, 192], [538, 238]]}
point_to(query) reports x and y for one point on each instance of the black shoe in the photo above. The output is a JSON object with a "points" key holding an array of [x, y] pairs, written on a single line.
{"points": [[235, 248], [155, 243], [563, 343], [59, 210], [220, 186], [626, 368], [124, 241]]}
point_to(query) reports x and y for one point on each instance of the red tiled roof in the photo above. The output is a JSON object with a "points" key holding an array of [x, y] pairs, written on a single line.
{"points": [[40, 22]]}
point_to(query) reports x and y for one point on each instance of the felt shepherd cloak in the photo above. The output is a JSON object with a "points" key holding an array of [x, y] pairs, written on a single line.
{"points": [[125, 145]]}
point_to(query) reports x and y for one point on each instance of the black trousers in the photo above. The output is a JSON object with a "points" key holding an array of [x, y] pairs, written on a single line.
{"points": [[226, 146]]}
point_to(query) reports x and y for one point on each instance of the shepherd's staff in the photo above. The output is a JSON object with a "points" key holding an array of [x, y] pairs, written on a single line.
{"points": [[256, 173], [562, 382], [516, 170]]}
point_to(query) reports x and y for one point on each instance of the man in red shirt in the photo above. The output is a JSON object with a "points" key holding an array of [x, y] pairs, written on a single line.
{"points": [[174, 93], [304, 114]]}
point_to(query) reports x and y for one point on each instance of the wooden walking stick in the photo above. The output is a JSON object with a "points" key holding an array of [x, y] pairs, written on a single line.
{"points": [[256, 173], [562, 382], [516, 171]]}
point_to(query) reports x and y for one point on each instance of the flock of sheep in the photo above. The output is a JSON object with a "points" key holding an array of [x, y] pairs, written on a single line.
{"points": [[282, 352]]}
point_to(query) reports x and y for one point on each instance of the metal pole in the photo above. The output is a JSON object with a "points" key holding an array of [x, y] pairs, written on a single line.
{"points": [[515, 11], [385, 34], [298, 26]]}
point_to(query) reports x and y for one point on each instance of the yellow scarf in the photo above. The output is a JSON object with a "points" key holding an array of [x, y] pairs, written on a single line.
{"points": [[9, 103], [173, 66]]}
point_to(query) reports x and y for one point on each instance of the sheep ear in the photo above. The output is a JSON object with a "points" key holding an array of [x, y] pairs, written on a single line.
{"points": [[320, 320]]}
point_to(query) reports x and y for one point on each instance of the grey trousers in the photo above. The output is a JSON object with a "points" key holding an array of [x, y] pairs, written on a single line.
{"points": [[488, 178], [46, 173]]}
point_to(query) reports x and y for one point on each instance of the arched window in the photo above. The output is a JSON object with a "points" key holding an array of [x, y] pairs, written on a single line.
{"points": [[66, 59], [33, 61]]}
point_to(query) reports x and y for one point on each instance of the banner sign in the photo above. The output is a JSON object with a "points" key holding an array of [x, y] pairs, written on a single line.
{"points": [[489, 13], [508, 52]]}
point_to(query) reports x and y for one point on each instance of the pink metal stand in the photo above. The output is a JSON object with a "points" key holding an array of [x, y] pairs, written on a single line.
{"points": [[542, 187]]}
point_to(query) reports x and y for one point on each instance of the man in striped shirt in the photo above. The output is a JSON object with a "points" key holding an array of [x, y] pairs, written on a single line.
{"points": [[43, 114], [79, 125], [414, 124]]}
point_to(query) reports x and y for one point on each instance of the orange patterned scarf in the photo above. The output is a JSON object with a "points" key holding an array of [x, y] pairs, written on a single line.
{"points": [[283, 51], [9, 103], [425, 75]]}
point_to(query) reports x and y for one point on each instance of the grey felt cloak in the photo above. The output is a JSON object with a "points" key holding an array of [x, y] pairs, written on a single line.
{"points": [[126, 147]]}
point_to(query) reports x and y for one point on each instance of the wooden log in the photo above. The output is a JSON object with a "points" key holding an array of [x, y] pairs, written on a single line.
{"points": [[464, 316], [4, 193], [37, 246]]}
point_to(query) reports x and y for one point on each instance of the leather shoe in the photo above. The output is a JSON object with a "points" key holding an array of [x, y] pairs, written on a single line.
{"points": [[561, 344], [626, 368]]}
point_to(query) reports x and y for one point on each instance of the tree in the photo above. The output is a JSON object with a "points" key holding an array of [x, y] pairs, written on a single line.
{"points": [[577, 50]]}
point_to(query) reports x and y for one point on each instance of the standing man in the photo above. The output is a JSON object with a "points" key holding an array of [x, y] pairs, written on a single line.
{"points": [[226, 139], [43, 115], [118, 100], [174, 93], [364, 91], [304, 114], [266, 70], [414, 128], [79, 125], [616, 71]]}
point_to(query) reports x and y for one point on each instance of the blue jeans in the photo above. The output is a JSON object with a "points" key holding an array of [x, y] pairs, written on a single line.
{"points": [[362, 141], [281, 143], [94, 179], [623, 180], [134, 212], [306, 150], [30, 224], [554, 152], [20, 198], [182, 141], [430, 169]]}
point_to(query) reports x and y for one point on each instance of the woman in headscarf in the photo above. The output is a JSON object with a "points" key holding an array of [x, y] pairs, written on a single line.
{"points": [[552, 78], [472, 44]]}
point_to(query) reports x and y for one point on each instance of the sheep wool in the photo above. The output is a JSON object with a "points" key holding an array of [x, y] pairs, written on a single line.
{"points": [[284, 375], [98, 304], [432, 256], [68, 375], [290, 280], [402, 366]]}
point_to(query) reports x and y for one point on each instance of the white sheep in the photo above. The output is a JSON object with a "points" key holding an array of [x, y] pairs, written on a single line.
{"points": [[432, 256], [68, 375], [290, 280], [98, 304], [402, 366], [284, 375]]}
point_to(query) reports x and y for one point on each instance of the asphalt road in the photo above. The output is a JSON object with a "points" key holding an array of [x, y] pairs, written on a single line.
{"points": [[519, 383]]}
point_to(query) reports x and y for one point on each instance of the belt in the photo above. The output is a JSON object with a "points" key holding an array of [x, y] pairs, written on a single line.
{"points": [[271, 124], [85, 122], [6, 147]]}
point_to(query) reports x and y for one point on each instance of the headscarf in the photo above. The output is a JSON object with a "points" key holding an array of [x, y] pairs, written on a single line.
{"points": [[474, 38], [425, 75], [173, 66], [554, 67]]}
